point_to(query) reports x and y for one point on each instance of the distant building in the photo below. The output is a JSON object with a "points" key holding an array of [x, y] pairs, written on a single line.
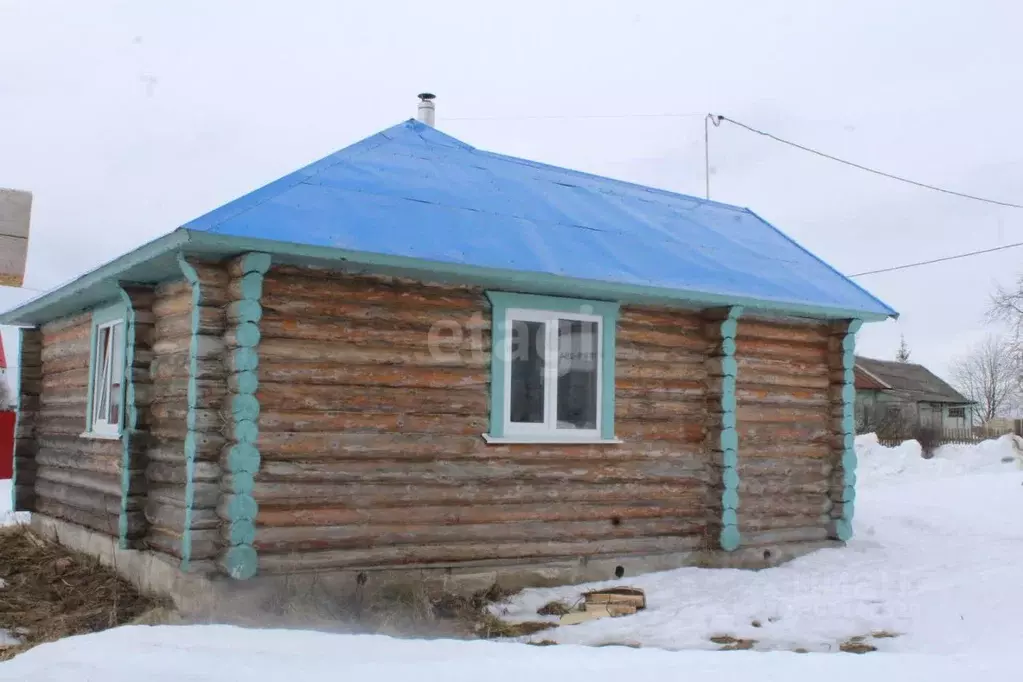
{"points": [[904, 391]]}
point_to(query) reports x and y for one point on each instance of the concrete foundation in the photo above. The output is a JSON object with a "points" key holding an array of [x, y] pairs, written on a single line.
{"points": [[217, 597]]}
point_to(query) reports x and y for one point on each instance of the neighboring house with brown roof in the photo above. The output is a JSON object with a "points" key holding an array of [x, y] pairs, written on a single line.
{"points": [[884, 386]]}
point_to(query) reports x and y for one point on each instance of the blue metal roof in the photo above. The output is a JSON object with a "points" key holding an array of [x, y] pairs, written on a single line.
{"points": [[412, 191]]}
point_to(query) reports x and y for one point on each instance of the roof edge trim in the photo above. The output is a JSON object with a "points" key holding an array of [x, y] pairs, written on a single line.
{"points": [[169, 242]]}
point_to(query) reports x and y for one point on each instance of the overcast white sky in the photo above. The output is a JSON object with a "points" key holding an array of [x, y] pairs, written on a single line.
{"points": [[128, 119]]}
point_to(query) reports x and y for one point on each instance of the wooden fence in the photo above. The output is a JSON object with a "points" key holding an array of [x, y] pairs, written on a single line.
{"points": [[953, 436]]}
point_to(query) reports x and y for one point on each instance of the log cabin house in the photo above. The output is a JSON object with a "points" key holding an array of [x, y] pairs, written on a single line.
{"points": [[414, 354]]}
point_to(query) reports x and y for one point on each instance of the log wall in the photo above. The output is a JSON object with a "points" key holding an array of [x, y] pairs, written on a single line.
{"points": [[189, 382], [369, 436], [76, 478], [785, 429]]}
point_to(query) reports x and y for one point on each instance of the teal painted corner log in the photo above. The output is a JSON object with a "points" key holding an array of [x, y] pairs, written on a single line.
{"points": [[845, 503], [191, 438], [730, 538], [241, 560]]}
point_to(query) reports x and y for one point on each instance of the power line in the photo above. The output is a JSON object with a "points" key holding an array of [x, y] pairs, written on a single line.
{"points": [[569, 116], [939, 260], [865, 168]]}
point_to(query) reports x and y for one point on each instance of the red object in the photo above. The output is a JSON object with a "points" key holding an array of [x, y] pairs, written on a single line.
{"points": [[6, 445], [6, 427]]}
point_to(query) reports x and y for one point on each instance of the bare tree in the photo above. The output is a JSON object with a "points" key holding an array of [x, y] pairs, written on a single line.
{"points": [[902, 354], [990, 376]]}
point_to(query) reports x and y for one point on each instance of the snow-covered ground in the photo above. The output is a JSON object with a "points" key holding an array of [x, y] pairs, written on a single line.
{"points": [[7, 517], [937, 560]]}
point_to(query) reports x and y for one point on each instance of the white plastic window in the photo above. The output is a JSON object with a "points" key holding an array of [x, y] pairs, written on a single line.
{"points": [[553, 374], [107, 378]]}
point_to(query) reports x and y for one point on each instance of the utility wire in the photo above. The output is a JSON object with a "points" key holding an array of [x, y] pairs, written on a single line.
{"points": [[524, 118], [939, 260], [865, 168]]}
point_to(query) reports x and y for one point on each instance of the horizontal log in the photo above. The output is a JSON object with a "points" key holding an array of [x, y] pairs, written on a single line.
{"points": [[206, 346], [373, 399], [646, 337], [211, 321], [642, 369], [753, 506], [291, 426], [784, 448], [756, 437], [783, 485], [87, 480], [690, 507], [749, 393], [313, 288], [76, 348], [54, 327], [625, 351], [360, 495], [685, 321], [173, 518], [74, 445], [406, 376], [771, 537], [166, 445], [816, 334], [108, 524], [204, 495], [177, 366], [64, 364], [64, 459], [451, 335], [345, 353], [810, 462], [59, 426], [456, 472], [164, 472], [764, 413], [360, 537], [209, 393], [72, 496], [204, 544], [799, 352], [667, 429], [762, 523], [456, 553], [170, 418], [633, 408]]}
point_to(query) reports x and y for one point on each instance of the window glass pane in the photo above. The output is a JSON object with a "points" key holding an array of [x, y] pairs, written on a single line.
{"points": [[577, 374], [116, 372], [100, 386], [527, 370]]}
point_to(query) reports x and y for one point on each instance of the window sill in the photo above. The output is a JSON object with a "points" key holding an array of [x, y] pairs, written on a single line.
{"points": [[549, 440], [100, 436]]}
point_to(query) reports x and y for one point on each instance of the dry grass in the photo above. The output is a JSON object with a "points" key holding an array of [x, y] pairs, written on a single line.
{"points": [[884, 634], [856, 645], [52, 593], [554, 608], [730, 643]]}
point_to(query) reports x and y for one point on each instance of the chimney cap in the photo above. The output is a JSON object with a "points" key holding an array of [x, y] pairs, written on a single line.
{"points": [[426, 96]]}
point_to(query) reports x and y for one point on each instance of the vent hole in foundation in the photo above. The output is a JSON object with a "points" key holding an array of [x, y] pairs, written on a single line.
{"points": [[619, 571], [361, 578], [767, 555], [616, 520]]}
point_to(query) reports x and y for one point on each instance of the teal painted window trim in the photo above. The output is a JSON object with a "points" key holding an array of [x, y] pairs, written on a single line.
{"points": [[101, 316], [129, 415], [730, 537], [501, 302]]}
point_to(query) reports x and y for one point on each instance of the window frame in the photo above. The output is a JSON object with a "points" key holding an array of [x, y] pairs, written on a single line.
{"points": [[508, 307], [106, 318]]}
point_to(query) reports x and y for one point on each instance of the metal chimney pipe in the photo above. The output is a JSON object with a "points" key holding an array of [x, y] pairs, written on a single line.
{"points": [[425, 112]]}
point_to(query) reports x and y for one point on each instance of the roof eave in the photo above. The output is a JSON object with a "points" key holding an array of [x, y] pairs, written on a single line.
{"points": [[40, 309]]}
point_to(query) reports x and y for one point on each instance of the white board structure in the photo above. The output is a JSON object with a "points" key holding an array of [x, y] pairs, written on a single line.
{"points": [[15, 209]]}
